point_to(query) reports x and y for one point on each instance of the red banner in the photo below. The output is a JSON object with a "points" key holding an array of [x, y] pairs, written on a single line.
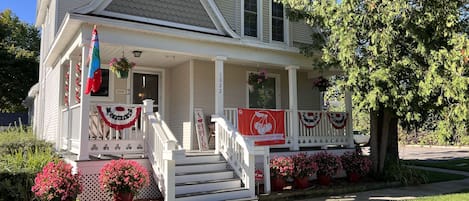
{"points": [[264, 127]]}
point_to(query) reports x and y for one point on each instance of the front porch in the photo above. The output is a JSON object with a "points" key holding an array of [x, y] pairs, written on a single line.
{"points": [[181, 81]]}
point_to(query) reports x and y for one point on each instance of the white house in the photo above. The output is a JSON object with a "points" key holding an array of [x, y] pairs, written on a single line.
{"points": [[194, 54]]}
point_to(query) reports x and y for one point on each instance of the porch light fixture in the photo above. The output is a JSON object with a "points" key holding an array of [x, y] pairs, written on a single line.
{"points": [[137, 53]]}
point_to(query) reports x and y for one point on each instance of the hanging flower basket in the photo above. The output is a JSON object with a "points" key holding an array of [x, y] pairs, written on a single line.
{"points": [[257, 79], [122, 74], [321, 83], [121, 67]]}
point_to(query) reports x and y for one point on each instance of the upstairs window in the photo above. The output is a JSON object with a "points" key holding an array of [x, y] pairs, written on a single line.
{"points": [[277, 22], [250, 18]]}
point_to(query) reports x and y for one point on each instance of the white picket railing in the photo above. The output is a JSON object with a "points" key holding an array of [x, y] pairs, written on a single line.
{"points": [[321, 135], [236, 150], [163, 149], [106, 140]]}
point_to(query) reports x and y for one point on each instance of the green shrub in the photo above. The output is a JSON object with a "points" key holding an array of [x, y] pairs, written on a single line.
{"points": [[404, 174], [22, 156], [16, 186], [14, 139]]}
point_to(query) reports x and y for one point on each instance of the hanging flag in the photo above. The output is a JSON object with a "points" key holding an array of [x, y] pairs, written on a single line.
{"points": [[93, 83], [264, 127]]}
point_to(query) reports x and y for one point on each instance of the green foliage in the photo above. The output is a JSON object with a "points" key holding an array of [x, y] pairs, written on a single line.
{"points": [[408, 56], [21, 158], [16, 186], [19, 50], [403, 174]]}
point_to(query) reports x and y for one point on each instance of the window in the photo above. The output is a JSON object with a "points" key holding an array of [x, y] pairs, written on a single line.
{"points": [[265, 95], [277, 22], [104, 89], [250, 18]]}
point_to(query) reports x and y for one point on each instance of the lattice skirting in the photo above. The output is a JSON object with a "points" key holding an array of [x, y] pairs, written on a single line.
{"points": [[92, 191]]}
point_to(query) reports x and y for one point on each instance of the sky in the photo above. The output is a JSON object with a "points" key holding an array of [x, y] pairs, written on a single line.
{"points": [[24, 9]]}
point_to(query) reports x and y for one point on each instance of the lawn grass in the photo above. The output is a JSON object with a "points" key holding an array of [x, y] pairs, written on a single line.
{"points": [[454, 164], [440, 176], [463, 195]]}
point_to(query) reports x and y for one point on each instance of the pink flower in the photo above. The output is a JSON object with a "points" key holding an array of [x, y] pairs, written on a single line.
{"points": [[57, 181], [123, 176]]}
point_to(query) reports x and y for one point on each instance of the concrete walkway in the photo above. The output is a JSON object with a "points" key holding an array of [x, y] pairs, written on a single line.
{"points": [[405, 193]]}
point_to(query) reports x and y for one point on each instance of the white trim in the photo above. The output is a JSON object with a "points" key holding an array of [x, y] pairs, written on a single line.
{"points": [[75, 21], [159, 22], [110, 96], [191, 103], [218, 18], [278, 97], [93, 6]]}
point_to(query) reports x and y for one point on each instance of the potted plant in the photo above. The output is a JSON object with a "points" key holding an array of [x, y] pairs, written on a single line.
{"points": [[355, 165], [321, 83], [328, 165], [123, 179], [304, 167], [56, 182], [280, 168], [121, 67]]}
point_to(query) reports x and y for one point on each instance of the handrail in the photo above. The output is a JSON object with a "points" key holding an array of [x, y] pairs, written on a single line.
{"points": [[162, 150], [236, 150]]}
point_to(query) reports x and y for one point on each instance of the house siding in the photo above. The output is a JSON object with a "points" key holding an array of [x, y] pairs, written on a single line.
{"points": [[266, 20], [52, 106], [180, 101], [64, 6], [189, 12], [231, 11], [308, 99], [301, 32]]}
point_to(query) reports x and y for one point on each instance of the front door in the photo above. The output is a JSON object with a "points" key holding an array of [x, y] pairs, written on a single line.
{"points": [[146, 86]]}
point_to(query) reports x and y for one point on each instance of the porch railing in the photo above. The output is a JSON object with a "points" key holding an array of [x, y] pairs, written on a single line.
{"points": [[163, 149], [236, 150], [321, 135], [106, 140]]}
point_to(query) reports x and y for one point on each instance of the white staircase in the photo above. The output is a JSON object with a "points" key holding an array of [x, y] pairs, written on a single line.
{"points": [[207, 176]]}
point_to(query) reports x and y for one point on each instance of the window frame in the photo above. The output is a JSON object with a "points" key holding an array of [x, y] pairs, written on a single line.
{"points": [[286, 29], [110, 96], [259, 21], [278, 96]]}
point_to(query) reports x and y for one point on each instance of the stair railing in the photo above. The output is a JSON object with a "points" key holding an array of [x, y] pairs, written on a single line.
{"points": [[163, 149], [236, 150]]}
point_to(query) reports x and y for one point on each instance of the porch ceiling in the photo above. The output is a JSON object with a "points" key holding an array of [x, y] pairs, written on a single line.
{"points": [[148, 58]]}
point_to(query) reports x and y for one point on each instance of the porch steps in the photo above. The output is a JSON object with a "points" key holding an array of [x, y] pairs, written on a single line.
{"points": [[207, 176]]}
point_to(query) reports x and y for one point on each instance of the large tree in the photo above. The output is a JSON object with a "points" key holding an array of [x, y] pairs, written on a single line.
{"points": [[406, 60], [19, 50]]}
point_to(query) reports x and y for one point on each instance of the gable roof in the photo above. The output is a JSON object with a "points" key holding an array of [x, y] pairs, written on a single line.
{"points": [[189, 12]]}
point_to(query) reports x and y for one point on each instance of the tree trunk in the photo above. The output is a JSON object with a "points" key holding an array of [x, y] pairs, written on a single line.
{"points": [[383, 142]]}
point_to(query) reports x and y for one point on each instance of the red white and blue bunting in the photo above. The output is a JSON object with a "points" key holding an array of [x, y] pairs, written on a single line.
{"points": [[119, 117], [337, 119], [310, 119]]}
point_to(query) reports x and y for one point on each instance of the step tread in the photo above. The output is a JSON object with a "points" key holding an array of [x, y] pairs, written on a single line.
{"points": [[205, 163], [211, 192], [206, 182], [206, 172], [245, 199]]}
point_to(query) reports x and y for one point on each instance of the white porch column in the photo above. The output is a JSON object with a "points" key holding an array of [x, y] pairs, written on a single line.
{"points": [[349, 126], [293, 103], [219, 102], [84, 108], [71, 101]]}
